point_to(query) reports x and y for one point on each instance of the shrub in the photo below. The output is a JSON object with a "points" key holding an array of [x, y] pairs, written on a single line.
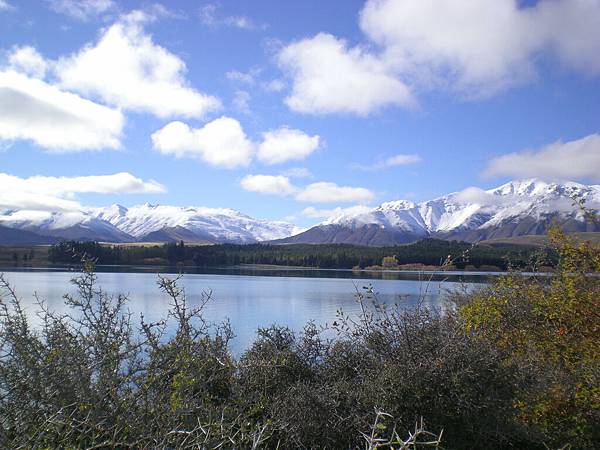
{"points": [[550, 326], [516, 366]]}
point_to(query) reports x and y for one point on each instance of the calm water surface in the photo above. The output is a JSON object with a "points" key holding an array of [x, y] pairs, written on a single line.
{"points": [[288, 298]]}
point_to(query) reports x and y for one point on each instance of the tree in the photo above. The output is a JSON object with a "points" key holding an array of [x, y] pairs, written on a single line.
{"points": [[551, 327], [389, 262]]}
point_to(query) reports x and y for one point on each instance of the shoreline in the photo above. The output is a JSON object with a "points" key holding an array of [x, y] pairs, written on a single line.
{"points": [[261, 268]]}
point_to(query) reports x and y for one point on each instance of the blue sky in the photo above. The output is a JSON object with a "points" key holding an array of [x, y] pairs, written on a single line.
{"points": [[292, 109]]}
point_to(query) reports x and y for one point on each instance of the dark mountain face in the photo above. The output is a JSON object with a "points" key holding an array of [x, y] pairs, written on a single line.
{"points": [[377, 236], [369, 235], [175, 234], [11, 236], [84, 232], [527, 226]]}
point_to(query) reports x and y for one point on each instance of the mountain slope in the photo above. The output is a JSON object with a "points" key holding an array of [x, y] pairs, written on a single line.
{"points": [[64, 225], [11, 236], [517, 208], [147, 222]]}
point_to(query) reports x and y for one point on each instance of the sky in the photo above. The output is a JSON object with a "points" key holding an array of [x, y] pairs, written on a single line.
{"points": [[292, 110]]}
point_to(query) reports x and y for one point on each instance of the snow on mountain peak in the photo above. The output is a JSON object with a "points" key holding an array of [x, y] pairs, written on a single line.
{"points": [[475, 208], [218, 224]]}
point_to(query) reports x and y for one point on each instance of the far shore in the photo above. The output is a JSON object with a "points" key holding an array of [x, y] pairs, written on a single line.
{"points": [[139, 268]]}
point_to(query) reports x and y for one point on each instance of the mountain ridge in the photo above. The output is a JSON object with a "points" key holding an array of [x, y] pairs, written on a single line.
{"points": [[516, 208], [148, 223]]}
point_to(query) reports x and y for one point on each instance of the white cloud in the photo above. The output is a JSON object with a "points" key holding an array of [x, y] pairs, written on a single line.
{"points": [[41, 193], [486, 46], [26, 59], [329, 77], [5, 6], [126, 68], [243, 77], [118, 183], [275, 85], [323, 214], [268, 184], [34, 110], [392, 161], [401, 160], [573, 160], [479, 196], [475, 48], [241, 101], [27, 201], [221, 142], [320, 192], [209, 17], [286, 144], [82, 9], [297, 172], [326, 192], [572, 29]]}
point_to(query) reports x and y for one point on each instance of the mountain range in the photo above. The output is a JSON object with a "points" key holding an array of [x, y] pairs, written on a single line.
{"points": [[516, 208], [142, 223]]}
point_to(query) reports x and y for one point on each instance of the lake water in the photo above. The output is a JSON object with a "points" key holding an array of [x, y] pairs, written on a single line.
{"points": [[248, 298]]}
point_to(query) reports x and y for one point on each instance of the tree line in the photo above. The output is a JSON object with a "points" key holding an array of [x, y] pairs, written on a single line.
{"points": [[430, 252]]}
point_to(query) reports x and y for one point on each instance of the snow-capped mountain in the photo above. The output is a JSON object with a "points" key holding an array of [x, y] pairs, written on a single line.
{"points": [[147, 222], [513, 209], [209, 224], [80, 225]]}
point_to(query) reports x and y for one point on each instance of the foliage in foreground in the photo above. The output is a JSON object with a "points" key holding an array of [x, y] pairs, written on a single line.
{"points": [[90, 379], [552, 328], [516, 367]]}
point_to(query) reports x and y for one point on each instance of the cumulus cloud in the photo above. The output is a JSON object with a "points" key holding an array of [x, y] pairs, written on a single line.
{"points": [[125, 68], [26, 59], [82, 9], [221, 142], [329, 77], [320, 192], [475, 48], [392, 161], [268, 184], [327, 192], [286, 144], [59, 121], [42, 193], [573, 160]]}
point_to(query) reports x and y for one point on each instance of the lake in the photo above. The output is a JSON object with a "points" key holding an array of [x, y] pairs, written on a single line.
{"points": [[249, 298]]}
